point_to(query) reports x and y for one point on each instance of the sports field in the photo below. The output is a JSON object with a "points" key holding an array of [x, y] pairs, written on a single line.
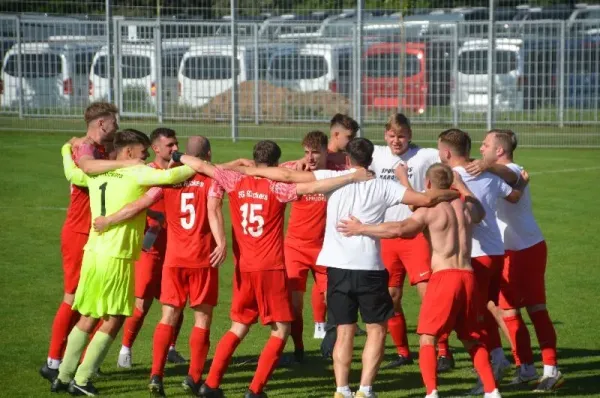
{"points": [[35, 194]]}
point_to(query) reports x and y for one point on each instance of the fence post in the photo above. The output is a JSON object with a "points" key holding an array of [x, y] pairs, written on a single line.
{"points": [[490, 69], [256, 77], [115, 54], [455, 109], [561, 76], [359, 45], [108, 50], [234, 86], [402, 64], [159, 82], [19, 65]]}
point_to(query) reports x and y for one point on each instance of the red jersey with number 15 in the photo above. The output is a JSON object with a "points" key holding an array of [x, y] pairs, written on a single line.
{"points": [[189, 237], [79, 215], [257, 207]]}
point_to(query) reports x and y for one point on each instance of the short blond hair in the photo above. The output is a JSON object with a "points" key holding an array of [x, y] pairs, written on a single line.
{"points": [[396, 122], [96, 110], [440, 175]]}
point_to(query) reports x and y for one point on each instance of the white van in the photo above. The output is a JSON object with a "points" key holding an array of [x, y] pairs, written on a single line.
{"points": [[54, 74], [138, 70], [313, 67], [470, 90], [205, 70]]}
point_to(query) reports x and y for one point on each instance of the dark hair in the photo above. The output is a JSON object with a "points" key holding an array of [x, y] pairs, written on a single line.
{"points": [[458, 140], [345, 121], [507, 140], [360, 151], [162, 132], [315, 140], [128, 137], [266, 152], [96, 110], [396, 121], [440, 175]]}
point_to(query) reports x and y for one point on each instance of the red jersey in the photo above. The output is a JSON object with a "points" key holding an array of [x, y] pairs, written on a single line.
{"points": [[159, 247], [79, 214], [188, 230], [257, 207], [306, 225]]}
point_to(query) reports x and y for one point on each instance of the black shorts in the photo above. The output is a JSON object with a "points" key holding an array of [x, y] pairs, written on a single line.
{"points": [[349, 291]]}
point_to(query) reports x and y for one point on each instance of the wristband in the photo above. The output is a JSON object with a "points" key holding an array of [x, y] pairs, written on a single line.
{"points": [[176, 156]]}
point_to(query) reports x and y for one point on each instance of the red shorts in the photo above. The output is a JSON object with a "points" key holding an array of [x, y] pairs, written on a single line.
{"points": [[300, 260], [200, 285], [71, 247], [261, 293], [148, 274], [450, 303], [401, 256], [522, 282], [488, 272]]}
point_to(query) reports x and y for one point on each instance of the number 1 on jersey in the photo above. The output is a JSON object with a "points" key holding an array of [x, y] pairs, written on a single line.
{"points": [[103, 199], [250, 217]]}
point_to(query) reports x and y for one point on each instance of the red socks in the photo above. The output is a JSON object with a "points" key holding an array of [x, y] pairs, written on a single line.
{"points": [[297, 330], [520, 340], [481, 362], [199, 345], [177, 330], [64, 320], [546, 336], [163, 335], [318, 305], [397, 329], [220, 362], [133, 324], [266, 363], [443, 347], [428, 365]]}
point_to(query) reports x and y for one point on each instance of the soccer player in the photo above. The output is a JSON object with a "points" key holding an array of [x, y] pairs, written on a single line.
{"points": [[107, 275], [487, 251], [148, 268], [260, 286], [411, 255], [522, 284], [450, 300], [89, 155], [356, 277], [304, 239]]}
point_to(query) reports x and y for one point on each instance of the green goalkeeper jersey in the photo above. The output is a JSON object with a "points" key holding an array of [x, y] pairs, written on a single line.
{"points": [[109, 192]]}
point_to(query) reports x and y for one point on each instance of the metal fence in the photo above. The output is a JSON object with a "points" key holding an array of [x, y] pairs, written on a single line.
{"points": [[270, 79]]}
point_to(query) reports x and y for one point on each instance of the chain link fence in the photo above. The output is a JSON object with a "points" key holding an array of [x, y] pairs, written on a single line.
{"points": [[248, 74]]}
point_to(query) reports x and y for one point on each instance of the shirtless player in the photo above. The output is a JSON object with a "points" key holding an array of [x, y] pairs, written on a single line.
{"points": [[450, 300]]}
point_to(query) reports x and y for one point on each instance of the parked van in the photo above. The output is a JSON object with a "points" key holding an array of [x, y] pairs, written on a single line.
{"points": [[54, 74], [470, 90], [383, 71], [313, 67], [205, 70], [138, 71]]}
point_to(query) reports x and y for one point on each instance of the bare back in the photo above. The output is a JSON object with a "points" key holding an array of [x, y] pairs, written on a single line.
{"points": [[449, 231]]}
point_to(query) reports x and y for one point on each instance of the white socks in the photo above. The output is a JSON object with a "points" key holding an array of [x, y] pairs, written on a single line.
{"points": [[53, 363], [550, 371], [125, 350], [345, 390]]}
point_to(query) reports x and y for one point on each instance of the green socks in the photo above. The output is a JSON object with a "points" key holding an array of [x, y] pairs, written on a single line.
{"points": [[95, 354], [76, 343]]}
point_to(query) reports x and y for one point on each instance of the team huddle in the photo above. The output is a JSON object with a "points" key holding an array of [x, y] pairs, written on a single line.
{"points": [[363, 218]]}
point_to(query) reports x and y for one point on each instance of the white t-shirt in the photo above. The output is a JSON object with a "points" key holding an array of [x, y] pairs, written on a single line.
{"points": [[489, 189], [366, 201], [517, 224], [416, 159]]}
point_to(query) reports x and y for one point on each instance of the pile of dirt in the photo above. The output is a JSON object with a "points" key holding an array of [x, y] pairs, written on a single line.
{"points": [[278, 103]]}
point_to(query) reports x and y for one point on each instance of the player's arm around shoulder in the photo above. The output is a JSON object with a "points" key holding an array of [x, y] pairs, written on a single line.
{"points": [[408, 228], [148, 176], [281, 174], [73, 174], [514, 195], [331, 184], [128, 211]]}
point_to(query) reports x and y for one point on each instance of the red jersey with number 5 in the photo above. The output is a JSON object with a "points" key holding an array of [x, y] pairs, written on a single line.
{"points": [[257, 207], [189, 238]]}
